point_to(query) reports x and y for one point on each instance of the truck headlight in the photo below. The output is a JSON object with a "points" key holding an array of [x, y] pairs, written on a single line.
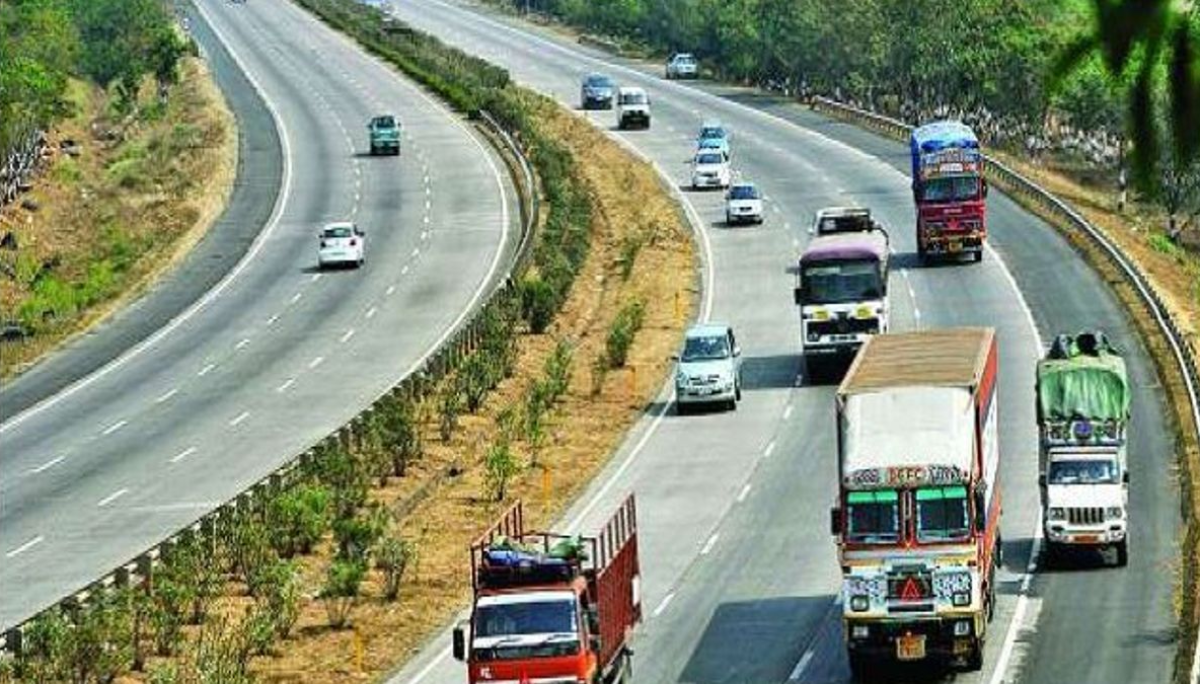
{"points": [[1056, 513], [1114, 512], [860, 631], [859, 603], [961, 598], [813, 337], [962, 628]]}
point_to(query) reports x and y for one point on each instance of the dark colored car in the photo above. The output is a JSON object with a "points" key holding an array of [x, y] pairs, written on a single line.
{"points": [[597, 92]]}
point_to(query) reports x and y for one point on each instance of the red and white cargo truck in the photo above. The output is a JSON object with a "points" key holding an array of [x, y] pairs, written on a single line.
{"points": [[918, 511], [551, 608]]}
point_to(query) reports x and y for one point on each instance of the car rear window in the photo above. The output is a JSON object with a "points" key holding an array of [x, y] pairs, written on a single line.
{"points": [[385, 122], [708, 159], [338, 232], [743, 192]]}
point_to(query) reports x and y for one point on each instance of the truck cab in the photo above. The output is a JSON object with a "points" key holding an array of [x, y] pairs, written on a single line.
{"points": [[1083, 409], [949, 190], [550, 607], [842, 287]]}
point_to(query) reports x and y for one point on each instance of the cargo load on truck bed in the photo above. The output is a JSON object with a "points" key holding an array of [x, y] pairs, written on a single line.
{"points": [[953, 358], [1082, 378]]}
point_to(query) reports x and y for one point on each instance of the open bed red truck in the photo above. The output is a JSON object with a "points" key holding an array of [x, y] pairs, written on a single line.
{"points": [[551, 608]]}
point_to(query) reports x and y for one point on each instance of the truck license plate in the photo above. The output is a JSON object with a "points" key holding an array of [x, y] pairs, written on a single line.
{"points": [[910, 647]]}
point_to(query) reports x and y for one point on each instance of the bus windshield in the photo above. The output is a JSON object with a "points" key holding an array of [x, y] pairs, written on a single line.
{"points": [[837, 282]]}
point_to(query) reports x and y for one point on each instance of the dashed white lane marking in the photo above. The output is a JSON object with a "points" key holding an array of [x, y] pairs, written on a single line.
{"points": [[801, 666], [744, 493], [204, 371], [272, 319], [242, 343], [424, 235], [315, 278], [708, 545], [787, 411], [357, 198], [428, 206], [25, 547], [371, 313], [166, 395], [183, 454], [403, 271], [347, 335], [239, 418], [285, 385], [769, 450], [428, 190], [917, 312], [47, 465], [296, 297], [316, 362], [114, 427], [662, 605], [416, 251], [426, 219], [112, 497], [392, 288]]}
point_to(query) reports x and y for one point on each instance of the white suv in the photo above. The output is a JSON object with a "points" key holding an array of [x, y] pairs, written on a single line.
{"points": [[682, 65], [341, 244], [710, 368], [633, 108], [743, 204]]}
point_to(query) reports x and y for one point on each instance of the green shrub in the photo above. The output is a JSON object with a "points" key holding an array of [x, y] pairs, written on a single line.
{"points": [[355, 536], [1163, 244], [622, 332], [340, 592], [500, 467], [45, 651], [557, 370], [450, 403], [168, 601], [345, 477], [401, 438], [297, 518], [393, 555], [539, 302], [475, 379], [279, 597], [630, 246]]}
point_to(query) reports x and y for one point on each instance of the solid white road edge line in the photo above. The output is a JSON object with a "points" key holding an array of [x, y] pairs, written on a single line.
{"points": [[255, 247]]}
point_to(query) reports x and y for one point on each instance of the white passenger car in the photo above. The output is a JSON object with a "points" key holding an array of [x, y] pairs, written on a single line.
{"points": [[341, 244], [710, 368], [743, 204], [710, 169]]}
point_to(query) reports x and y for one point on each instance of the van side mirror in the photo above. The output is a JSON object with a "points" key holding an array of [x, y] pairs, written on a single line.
{"points": [[798, 295], [1042, 480], [460, 643], [980, 510], [835, 521], [984, 186], [1125, 477]]}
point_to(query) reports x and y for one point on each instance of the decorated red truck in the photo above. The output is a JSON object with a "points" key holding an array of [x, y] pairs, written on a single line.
{"points": [[949, 190], [918, 510], [552, 608]]}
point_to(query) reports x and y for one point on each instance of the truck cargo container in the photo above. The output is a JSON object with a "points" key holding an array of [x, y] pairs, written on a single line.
{"points": [[918, 510], [552, 608]]}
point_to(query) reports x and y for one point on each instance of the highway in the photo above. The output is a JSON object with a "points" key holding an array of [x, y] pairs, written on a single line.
{"points": [[740, 577], [99, 466]]}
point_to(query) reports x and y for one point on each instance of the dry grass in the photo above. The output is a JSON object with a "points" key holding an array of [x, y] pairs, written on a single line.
{"points": [[450, 511], [112, 220]]}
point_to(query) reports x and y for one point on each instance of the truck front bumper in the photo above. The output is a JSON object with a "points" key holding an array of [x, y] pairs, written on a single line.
{"points": [[939, 638]]}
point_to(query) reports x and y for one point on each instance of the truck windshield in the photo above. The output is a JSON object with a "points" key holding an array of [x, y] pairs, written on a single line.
{"points": [[1083, 472], [951, 189], [942, 514], [633, 98], [526, 617], [837, 282], [873, 517]]}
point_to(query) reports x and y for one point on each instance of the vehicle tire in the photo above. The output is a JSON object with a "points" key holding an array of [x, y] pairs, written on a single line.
{"points": [[728, 220], [731, 405], [681, 409], [374, 151], [979, 255], [861, 668], [1051, 554], [1122, 553], [737, 391], [975, 657]]}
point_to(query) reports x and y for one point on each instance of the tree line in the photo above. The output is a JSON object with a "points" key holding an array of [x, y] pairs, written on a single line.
{"points": [[114, 44]]}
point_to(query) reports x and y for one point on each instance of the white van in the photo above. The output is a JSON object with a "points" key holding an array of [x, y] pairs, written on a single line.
{"points": [[633, 108]]}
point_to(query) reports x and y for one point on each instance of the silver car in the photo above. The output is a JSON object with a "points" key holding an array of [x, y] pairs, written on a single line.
{"points": [[682, 65], [710, 368]]}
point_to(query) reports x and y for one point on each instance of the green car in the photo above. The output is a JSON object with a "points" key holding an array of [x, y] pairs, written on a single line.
{"points": [[385, 135]]}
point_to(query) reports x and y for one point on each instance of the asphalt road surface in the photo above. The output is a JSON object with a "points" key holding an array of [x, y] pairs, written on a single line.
{"points": [[277, 354], [740, 575]]}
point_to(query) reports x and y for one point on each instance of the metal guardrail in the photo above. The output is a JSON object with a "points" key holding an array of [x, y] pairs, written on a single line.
{"points": [[464, 341], [1182, 352]]}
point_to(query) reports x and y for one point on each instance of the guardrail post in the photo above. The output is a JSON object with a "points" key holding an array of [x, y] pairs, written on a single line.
{"points": [[13, 640]]}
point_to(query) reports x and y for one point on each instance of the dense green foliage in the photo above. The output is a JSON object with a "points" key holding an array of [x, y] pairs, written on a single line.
{"points": [[109, 42]]}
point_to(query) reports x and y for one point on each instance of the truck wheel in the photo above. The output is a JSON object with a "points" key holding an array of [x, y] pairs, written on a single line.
{"points": [[1051, 554], [975, 657], [860, 668], [1122, 553], [979, 255], [681, 408]]}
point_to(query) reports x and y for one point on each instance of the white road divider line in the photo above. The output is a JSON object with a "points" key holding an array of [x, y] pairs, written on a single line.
{"points": [[347, 335], [242, 343], [112, 497], [403, 271], [769, 450], [392, 288], [204, 371], [183, 454], [272, 319], [316, 362], [662, 605], [416, 251], [48, 464], [315, 277], [787, 411], [741, 497], [239, 418], [285, 385], [296, 297], [25, 547], [801, 666], [114, 427], [166, 395], [708, 545], [371, 313]]}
